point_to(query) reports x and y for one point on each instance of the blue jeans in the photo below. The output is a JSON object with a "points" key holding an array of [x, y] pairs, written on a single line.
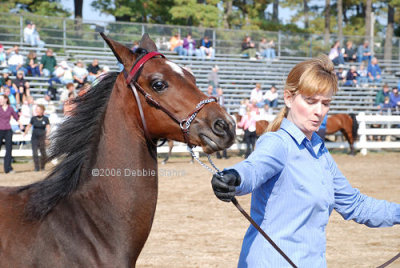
{"points": [[179, 50], [362, 80], [273, 103], [260, 104], [338, 60], [34, 41], [270, 53], [91, 78], [59, 80], [361, 58], [375, 80], [201, 53], [13, 69], [190, 53], [34, 71]]}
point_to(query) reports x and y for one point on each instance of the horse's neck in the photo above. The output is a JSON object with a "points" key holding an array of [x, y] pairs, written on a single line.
{"points": [[124, 178]]}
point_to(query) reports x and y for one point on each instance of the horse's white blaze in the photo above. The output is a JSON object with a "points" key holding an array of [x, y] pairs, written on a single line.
{"points": [[176, 68]]}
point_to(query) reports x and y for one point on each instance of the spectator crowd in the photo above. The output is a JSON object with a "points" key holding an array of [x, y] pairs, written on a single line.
{"points": [[355, 67], [24, 112]]}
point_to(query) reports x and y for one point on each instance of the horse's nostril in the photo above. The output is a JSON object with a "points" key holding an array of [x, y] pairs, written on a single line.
{"points": [[220, 127]]}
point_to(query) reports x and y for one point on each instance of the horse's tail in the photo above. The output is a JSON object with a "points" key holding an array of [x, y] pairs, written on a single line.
{"points": [[355, 126]]}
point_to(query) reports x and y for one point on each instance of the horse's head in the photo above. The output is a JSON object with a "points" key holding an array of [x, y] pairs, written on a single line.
{"points": [[172, 99]]}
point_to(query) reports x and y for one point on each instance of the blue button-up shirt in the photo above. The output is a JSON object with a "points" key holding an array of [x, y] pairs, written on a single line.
{"points": [[374, 70], [295, 185]]}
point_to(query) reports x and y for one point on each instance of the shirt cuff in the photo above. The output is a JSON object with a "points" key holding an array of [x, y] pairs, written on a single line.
{"points": [[239, 189], [397, 215]]}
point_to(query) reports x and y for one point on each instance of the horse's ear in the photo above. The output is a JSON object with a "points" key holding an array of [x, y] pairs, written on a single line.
{"points": [[147, 43], [123, 54]]}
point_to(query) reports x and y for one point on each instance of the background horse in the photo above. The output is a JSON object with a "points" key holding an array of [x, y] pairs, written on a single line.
{"points": [[170, 146], [96, 207], [347, 124]]}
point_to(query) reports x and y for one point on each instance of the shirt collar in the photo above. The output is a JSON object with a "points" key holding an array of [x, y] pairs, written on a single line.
{"points": [[293, 131], [316, 141]]}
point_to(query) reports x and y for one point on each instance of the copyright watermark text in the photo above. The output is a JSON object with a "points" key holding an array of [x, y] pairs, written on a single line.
{"points": [[127, 172]]}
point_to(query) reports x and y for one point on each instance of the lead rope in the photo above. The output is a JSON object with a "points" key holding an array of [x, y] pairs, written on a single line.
{"points": [[389, 261], [239, 207]]}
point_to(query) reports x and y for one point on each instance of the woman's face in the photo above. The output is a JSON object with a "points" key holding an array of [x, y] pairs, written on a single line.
{"points": [[39, 111], [306, 112]]}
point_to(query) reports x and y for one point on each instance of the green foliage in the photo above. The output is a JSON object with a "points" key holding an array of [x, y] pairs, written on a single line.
{"points": [[267, 25], [246, 15], [190, 12], [156, 11], [49, 8], [356, 26], [38, 7], [123, 10], [249, 15]]}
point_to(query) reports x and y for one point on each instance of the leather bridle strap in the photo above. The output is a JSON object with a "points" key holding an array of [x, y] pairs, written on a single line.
{"points": [[149, 99], [131, 80], [139, 64], [146, 132]]}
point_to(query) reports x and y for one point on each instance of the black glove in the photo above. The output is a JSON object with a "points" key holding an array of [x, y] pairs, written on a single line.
{"points": [[224, 183]]}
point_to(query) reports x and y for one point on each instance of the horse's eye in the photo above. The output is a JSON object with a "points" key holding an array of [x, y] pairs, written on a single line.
{"points": [[159, 85]]}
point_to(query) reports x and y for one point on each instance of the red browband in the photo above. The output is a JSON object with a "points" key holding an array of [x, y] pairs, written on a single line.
{"points": [[140, 63]]}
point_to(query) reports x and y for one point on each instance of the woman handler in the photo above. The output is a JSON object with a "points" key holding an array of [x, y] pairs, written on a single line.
{"points": [[294, 181]]}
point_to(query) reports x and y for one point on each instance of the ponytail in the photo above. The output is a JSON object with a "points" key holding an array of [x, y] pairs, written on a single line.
{"points": [[276, 124]]}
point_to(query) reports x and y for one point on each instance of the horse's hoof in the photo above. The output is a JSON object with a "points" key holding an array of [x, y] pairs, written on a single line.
{"points": [[163, 163]]}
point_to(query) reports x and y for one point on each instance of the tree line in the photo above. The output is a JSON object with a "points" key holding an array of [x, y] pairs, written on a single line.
{"points": [[339, 17]]}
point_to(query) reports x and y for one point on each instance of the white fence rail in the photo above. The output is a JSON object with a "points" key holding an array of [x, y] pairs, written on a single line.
{"points": [[383, 126]]}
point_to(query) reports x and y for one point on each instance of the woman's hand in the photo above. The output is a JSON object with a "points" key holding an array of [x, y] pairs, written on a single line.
{"points": [[224, 184]]}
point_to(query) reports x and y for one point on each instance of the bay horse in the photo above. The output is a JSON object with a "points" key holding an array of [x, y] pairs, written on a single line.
{"points": [[96, 207], [345, 123], [170, 147]]}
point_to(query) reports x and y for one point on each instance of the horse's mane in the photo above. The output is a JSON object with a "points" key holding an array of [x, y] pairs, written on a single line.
{"points": [[74, 143]]}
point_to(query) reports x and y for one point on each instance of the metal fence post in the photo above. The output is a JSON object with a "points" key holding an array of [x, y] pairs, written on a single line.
{"points": [[311, 36], [398, 41], [105, 31], [21, 30], [279, 43], [64, 34], [143, 30], [214, 40]]}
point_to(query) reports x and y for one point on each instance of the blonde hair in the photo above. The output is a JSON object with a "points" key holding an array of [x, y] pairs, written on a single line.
{"points": [[31, 55], [314, 76]]}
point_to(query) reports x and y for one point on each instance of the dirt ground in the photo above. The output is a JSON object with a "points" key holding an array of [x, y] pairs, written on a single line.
{"points": [[193, 229]]}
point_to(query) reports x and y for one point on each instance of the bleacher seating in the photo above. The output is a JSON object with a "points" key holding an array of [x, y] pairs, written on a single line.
{"points": [[238, 76]]}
